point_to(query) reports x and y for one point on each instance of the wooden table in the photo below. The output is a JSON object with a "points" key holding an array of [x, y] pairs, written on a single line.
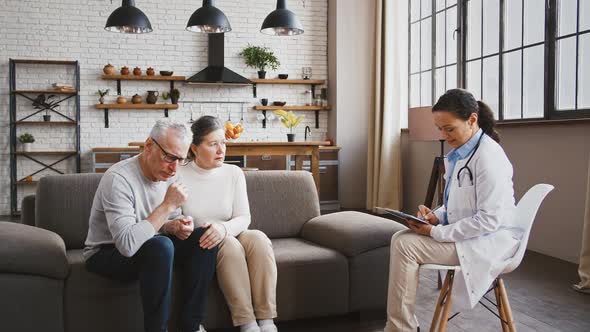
{"points": [[297, 149]]}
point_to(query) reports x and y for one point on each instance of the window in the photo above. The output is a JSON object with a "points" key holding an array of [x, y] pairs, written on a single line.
{"points": [[528, 59]]}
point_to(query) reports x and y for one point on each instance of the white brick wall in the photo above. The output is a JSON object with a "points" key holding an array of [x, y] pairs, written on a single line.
{"points": [[74, 30]]}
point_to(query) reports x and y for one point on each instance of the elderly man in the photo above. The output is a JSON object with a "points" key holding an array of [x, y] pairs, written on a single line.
{"points": [[137, 233]]}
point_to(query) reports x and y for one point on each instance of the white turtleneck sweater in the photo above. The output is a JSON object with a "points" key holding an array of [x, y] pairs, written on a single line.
{"points": [[216, 195]]}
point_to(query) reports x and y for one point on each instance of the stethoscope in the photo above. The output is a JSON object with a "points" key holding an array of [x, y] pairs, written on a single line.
{"points": [[466, 167]]}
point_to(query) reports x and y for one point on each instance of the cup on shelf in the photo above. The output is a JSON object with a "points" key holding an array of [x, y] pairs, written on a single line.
{"points": [[264, 101]]}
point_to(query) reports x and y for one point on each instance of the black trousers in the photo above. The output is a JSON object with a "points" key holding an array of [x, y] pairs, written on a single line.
{"points": [[152, 266]]}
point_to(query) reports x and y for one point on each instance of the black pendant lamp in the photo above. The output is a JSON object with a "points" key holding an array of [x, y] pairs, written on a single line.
{"points": [[208, 19], [128, 19], [281, 22]]}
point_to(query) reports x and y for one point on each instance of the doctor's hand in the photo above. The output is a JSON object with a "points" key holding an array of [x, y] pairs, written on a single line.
{"points": [[419, 228], [213, 236], [181, 227], [426, 214]]}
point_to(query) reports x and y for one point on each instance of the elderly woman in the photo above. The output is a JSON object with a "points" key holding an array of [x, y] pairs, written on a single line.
{"points": [[246, 267]]}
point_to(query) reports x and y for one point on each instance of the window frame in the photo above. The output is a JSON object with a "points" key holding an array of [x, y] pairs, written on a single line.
{"points": [[550, 111]]}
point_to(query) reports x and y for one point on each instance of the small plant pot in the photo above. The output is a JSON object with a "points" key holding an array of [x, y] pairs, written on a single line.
{"points": [[46, 118], [174, 100], [261, 74], [290, 137], [101, 100], [27, 147]]}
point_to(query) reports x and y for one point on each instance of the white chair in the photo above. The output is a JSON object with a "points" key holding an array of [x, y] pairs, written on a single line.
{"points": [[526, 210]]}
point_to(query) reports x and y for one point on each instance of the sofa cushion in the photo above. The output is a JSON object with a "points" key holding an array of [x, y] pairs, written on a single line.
{"points": [[312, 280], [351, 232], [31, 250], [281, 202], [63, 204]]}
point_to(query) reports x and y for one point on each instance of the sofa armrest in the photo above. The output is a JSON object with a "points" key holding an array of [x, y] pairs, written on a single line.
{"points": [[31, 250], [27, 216], [351, 232]]}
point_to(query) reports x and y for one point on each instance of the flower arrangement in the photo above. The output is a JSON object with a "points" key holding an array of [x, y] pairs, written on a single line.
{"points": [[289, 119]]}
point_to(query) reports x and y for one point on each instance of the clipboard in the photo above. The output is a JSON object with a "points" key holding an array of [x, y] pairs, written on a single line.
{"points": [[403, 215]]}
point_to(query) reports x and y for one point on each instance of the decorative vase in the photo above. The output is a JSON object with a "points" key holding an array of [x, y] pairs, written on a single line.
{"points": [[27, 147], [121, 100], [173, 99], [124, 71], [136, 99], [152, 97], [150, 71], [47, 117], [101, 100], [137, 71], [290, 137], [261, 74], [109, 69]]}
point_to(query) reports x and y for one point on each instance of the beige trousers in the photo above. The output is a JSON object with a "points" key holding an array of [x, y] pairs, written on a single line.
{"points": [[584, 268], [407, 252], [247, 276]]}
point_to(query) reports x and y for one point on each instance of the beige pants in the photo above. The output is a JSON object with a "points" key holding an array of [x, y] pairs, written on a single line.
{"points": [[247, 276], [407, 252], [584, 269]]}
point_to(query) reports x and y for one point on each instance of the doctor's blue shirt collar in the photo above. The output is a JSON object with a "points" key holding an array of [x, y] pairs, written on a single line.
{"points": [[464, 150]]}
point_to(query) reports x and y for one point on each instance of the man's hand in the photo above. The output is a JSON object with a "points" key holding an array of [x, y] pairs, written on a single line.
{"points": [[181, 227], [419, 228], [176, 195], [213, 236], [426, 214]]}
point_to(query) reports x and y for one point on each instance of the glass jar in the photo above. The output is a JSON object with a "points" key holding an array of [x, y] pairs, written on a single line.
{"points": [[306, 73], [308, 100]]}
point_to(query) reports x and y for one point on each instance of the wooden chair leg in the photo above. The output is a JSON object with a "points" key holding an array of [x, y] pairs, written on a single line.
{"points": [[445, 315], [506, 305], [439, 303], [500, 308]]}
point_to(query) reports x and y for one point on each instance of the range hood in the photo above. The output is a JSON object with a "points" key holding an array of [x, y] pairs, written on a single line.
{"points": [[215, 72]]}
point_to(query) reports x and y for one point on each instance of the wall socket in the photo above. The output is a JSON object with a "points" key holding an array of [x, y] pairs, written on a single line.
{"points": [[266, 157]]}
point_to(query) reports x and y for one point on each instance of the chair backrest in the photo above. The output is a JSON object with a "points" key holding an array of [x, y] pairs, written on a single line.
{"points": [[526, 210]]}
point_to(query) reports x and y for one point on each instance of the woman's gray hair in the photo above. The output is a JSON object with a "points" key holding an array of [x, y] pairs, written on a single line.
{"points": [[161, 127]]}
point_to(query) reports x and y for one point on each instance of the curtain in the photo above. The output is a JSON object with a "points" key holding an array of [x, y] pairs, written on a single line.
{"points": [[584, 269], [384, 180]]}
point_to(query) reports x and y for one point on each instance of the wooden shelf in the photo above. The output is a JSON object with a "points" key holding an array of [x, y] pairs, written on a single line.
{"points": [[48, 92], [292, 108], [287, 81], [143, 77], [137, 106], [26, 182], [45, 62], [46, 152], [66, 123]]}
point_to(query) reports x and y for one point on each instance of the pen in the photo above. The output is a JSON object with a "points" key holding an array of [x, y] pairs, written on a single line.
{"points": [[431, 211]]}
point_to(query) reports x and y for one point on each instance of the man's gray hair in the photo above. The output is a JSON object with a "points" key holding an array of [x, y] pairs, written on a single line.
{"points": [[175, 128]]}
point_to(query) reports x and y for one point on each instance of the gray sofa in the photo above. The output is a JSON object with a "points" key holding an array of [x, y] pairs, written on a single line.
{"points": [[327, 265]]}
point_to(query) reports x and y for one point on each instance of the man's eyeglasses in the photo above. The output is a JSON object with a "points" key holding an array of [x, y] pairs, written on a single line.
{"points": [[170, 158]]}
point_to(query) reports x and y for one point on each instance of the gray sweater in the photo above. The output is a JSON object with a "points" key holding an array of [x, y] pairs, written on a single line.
{"points": [[123, 201]]}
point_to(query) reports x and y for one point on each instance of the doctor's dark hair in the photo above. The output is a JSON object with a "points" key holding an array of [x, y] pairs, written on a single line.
{"points": [[462, 103], [203, 127]]}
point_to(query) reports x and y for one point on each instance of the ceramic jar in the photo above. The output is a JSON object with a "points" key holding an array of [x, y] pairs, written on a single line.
{"points": [[150, 71], [136, 71], [136, 99], [125, 71], [109, 69], [121, 100], [152, 97]]}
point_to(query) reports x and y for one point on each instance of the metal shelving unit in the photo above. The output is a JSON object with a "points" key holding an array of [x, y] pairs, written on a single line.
{"points": [[59, 155]]}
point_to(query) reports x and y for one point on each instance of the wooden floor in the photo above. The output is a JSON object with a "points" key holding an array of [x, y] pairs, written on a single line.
{"points": [[539, 292]]}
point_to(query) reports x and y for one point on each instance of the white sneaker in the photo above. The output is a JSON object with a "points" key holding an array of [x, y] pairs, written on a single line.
{"points": [[201, 328], [269, 328], [577, 288], [254, 328]]}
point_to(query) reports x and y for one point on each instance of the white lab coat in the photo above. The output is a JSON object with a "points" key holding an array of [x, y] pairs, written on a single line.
{"points": [[480, 221]]}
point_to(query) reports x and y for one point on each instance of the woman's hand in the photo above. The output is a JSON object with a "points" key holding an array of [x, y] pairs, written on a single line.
{"points": [[181, 227], [426, 214], [420, 228], [213, 236]]}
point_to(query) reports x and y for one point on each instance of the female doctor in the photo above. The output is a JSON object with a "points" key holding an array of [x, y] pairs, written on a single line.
{"points": [[473, 228]]}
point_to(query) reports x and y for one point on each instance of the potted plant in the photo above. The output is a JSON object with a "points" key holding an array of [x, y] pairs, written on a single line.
{"points": [[48, 103], [26, 139], [174, 95], [290, 121], [261, 58], [165, 96], [102, 93]]}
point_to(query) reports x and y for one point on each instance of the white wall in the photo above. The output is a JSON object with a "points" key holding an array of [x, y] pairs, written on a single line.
{"points": [[351, 60], [74, 30], [554, 154]]}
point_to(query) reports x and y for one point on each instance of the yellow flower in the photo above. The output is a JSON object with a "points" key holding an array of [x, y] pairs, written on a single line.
{"points": [[288, 119]]}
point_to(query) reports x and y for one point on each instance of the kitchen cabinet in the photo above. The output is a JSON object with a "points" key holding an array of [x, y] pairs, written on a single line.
{"points": [[103, 158]]}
